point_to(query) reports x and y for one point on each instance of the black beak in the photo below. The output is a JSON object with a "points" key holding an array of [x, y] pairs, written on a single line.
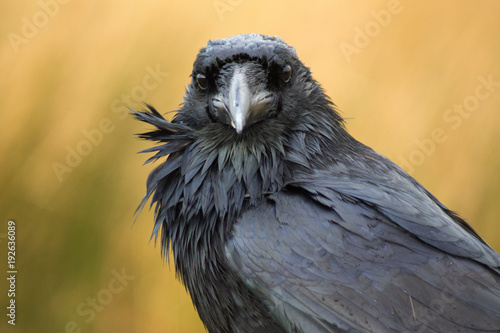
{"points": [[240, 100], [245, 103]]}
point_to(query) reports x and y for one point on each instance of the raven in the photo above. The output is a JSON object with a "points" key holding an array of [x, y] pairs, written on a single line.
{"points": [[279, 221]]}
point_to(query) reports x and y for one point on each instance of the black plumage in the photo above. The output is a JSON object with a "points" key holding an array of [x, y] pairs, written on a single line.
{"points": [[280, 221]]}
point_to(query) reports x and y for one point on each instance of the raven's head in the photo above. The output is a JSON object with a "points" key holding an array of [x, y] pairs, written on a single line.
{"points": [[251, 114], [246, 82]]}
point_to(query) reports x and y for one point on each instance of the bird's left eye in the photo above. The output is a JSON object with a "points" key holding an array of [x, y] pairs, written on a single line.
{"points": [[287, 73], [202, 81]]}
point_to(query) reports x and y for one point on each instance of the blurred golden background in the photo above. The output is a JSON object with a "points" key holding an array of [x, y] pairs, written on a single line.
{"points": [[417, 81]]}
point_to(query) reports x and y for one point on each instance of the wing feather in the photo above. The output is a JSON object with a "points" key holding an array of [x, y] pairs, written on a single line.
{"points": [[348, 267]]}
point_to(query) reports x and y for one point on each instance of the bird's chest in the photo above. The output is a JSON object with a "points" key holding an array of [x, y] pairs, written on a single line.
{"points": [[199, 226]]}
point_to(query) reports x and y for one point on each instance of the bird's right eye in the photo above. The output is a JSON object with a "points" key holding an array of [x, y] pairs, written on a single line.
{"points": [[287, 73], [202, 81]]}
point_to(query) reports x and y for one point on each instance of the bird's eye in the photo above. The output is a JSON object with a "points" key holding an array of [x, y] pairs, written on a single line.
{"points": [[287, 73], [202, 81]]}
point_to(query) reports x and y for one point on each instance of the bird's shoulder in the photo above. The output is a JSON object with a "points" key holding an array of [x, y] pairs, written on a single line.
{"points": [[369, 178]]}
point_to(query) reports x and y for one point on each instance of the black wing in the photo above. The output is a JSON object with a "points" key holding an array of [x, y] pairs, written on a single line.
{"points": [[347, 266]]}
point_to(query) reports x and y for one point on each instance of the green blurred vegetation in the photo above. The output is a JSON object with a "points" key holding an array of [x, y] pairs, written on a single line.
{"points": [[66, 68]]}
